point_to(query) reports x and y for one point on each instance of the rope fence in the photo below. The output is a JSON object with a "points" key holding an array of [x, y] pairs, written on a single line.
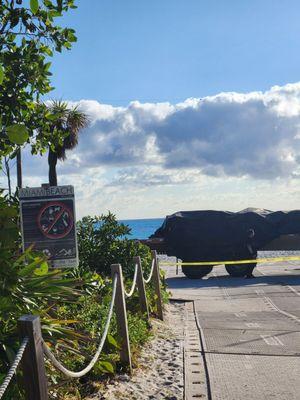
{"points": [[58, 365], [13, 367], [33, 348], [151, 272], [130, 293]]}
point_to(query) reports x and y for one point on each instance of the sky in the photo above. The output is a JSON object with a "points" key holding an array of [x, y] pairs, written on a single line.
{"points": [[170, 50], [193, 105]]}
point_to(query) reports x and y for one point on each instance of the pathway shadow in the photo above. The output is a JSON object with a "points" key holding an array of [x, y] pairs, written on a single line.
{"points": [[180, 282]]}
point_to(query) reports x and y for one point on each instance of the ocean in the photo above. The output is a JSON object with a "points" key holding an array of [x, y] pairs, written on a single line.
{"points": [[142, 228]]}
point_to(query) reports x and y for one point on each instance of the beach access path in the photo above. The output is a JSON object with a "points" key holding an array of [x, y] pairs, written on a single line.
{"points": [[242, 334]]}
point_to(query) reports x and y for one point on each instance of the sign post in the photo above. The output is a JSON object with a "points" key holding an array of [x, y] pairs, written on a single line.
{"points": [[49, 224]]}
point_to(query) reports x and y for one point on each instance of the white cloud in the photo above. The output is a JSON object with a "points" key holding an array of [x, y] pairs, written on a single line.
{"points": [[233, 134], [185, 152], [154, 176]]}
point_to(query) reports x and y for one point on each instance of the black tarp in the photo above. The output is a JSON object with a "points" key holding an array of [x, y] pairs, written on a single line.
{"points": [[207, 235]]}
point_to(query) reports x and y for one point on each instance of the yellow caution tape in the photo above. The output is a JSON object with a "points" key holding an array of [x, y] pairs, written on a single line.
{"points": [[252, 261]]}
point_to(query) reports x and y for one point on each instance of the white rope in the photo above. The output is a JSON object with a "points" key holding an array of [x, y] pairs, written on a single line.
{"points": [[130, 293], [78, 374], [13, 367], [151, 272]]}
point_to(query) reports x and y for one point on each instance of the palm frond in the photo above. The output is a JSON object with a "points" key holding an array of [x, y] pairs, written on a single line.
{"points": [[59, 108], [69, 120], [76, 121]]}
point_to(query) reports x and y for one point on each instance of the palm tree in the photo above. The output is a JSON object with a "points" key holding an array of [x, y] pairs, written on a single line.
{"points": [[69, 121]]}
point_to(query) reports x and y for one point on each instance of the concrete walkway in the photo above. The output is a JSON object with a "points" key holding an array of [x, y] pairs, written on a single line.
{"points": [[249, 333]]}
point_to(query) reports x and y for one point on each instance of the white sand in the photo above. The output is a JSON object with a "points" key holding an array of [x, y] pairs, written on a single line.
{"points": [[160, 372]]}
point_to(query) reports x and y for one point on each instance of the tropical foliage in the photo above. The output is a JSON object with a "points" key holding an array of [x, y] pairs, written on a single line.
{"points": [[73, 304], [27, 287], [69, 121], [29, 36], [103, 241]]}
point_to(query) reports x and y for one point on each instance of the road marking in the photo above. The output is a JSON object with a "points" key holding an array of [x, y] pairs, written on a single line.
{"points": [[259, 291], [252, 324], [241, 314], [272, 340], [261, 272], [281, 311], [293, 290], [278, 340]]}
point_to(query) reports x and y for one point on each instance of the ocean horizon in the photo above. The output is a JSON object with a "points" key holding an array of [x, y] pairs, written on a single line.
{"points": [[142, 228]]}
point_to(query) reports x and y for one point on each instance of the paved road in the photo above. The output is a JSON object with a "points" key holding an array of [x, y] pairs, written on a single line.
{"points": [[250, 330]]}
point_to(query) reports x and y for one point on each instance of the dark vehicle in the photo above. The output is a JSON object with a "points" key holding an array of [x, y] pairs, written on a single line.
{"points": [[221, 236]]}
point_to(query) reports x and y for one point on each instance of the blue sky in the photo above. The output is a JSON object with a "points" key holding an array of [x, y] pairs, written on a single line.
{"points": [[193, 105], [169, 50]]}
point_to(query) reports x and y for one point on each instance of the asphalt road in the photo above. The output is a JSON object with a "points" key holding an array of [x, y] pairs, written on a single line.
{"points": [[250, 330]]}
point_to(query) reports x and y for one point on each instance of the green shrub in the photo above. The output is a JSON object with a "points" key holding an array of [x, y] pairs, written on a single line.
{"points": [[102, 241], [91, 313], [73, 304], [27, 287]]}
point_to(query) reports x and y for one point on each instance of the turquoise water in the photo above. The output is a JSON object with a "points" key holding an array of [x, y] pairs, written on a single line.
{"points": [[142, 228]]}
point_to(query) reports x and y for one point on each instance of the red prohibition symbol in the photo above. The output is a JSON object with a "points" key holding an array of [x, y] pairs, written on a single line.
{"points": [[55, 220]]}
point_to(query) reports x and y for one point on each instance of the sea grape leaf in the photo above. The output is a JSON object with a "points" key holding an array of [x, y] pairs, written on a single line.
{"points": [[112, 341], [106, 366], [34, 6], [17, 133]]}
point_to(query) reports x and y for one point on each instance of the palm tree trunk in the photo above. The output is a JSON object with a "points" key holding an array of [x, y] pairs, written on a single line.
{"points": [[52, 161], [19, 168]]}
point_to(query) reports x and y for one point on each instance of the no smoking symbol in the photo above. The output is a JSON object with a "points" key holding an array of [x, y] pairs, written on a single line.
{"points": [[55, 220]]}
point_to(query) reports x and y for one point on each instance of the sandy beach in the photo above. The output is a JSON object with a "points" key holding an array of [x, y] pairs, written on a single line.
{"points": [[160, 366]]}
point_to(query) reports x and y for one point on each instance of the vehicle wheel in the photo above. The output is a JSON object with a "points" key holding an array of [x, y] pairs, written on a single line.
{"points": [[239, 270], [196, 272]]}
